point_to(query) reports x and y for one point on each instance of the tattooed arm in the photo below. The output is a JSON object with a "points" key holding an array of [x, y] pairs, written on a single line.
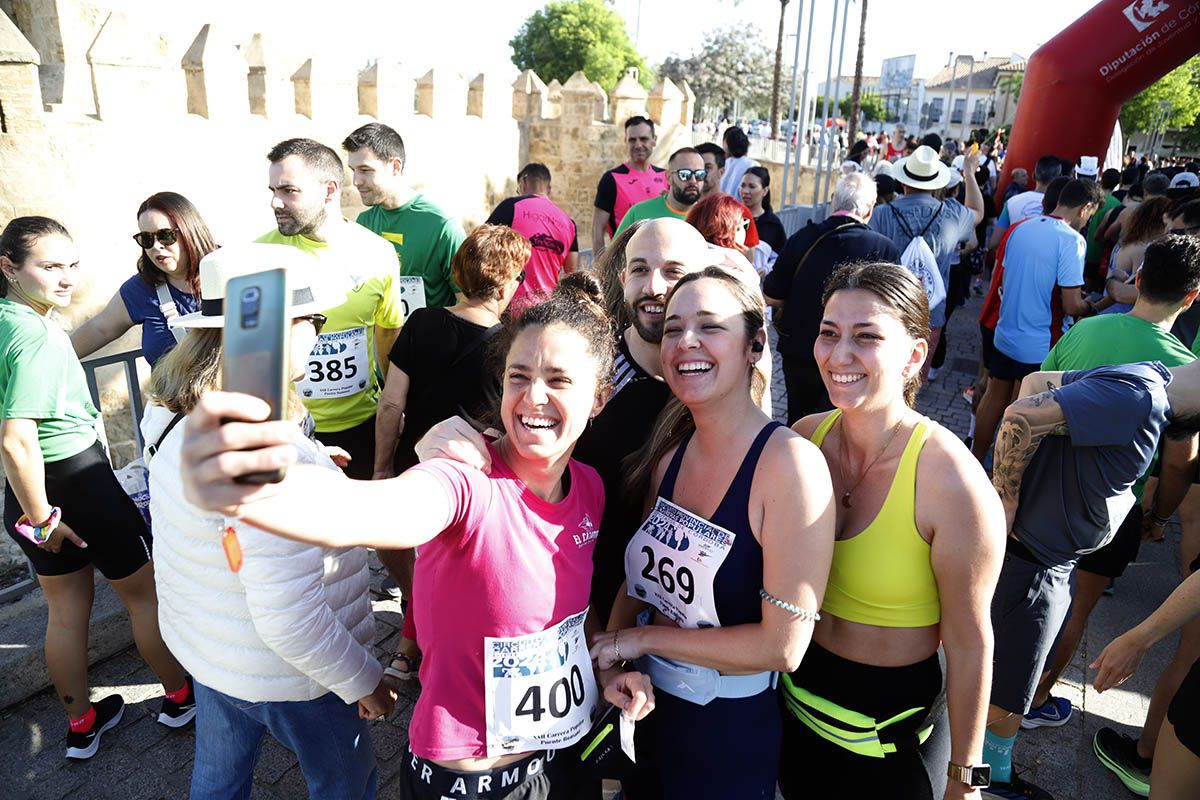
{"points": [[1026, 422]]}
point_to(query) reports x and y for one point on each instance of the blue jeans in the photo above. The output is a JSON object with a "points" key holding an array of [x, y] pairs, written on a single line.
{"points": [[331, 742]]}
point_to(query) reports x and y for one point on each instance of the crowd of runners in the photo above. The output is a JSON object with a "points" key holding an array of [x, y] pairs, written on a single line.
{"points": [[614, 564]]}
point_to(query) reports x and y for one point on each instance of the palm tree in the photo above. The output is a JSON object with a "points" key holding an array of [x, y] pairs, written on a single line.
{"points": [[852, 126], [775, 83]]}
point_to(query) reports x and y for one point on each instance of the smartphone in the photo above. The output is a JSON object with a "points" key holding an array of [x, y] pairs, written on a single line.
{"points": [[256, 346]]}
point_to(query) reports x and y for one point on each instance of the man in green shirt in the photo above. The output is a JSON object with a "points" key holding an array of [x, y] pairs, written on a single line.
{"points": [[1109, 181], [341, 389], [1168, 283], [685, 179], [424, 236]]}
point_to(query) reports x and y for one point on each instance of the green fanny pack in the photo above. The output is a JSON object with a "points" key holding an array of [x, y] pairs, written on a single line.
{"points": [[846, 728]]}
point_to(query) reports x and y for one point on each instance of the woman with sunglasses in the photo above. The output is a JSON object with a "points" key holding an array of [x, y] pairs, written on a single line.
{"points": [[173, 238], [282, 644]]}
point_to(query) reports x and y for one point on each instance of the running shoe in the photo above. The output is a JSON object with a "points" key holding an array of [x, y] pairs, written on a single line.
{"points": [[1016, 789], [1050, 714], [82, 746], [968, 394], [176, 715], [1118, 753]]}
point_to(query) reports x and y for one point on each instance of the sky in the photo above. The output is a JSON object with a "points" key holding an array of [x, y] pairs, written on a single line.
{"points": [[471, 36]]}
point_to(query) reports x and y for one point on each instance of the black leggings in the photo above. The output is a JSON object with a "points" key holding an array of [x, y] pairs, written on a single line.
{"points": [[812, 767]]}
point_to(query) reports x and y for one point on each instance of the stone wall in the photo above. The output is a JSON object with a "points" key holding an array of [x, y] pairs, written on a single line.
{"points": [[578, 131]]}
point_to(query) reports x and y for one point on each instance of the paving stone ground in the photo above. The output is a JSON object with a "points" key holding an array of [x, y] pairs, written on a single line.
{"points": [[142, 760]]}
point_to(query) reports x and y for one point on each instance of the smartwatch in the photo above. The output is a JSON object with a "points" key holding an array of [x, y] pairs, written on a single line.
{"points": [[977, 777]]}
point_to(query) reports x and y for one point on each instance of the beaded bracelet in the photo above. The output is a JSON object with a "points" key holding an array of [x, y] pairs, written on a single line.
{"points": [[803, 613]]}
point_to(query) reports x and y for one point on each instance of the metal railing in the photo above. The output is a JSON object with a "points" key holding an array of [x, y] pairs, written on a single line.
{"points": [[28, 582]]}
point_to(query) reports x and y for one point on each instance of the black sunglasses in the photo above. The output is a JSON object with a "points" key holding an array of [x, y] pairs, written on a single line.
{"points": [[165, 236], [520, 276], [686, 175], [318, 321]]}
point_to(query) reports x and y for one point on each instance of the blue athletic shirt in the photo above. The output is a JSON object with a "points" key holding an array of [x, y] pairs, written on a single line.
{"points": [[1043, 253], [141, 301]]}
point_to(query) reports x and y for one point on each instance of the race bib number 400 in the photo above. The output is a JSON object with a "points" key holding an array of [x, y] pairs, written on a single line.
{"points": [[671, 563], [539, 689], [338, 366], [412, 293]]}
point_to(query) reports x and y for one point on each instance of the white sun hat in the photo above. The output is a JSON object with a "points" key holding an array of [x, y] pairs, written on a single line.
{"points": [[314, 290], [922, 170]]}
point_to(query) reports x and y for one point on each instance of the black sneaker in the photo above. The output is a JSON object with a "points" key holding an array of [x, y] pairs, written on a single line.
{"points": [[1016, 789], [1118, 753], [176, 715], [82, 746]]}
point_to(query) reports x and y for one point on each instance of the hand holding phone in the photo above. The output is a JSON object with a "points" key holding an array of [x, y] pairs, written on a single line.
{"points": [[256, 337]]}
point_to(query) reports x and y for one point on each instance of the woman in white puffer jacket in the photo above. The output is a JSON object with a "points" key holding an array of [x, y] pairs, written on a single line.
{"points": [[283, 645]]}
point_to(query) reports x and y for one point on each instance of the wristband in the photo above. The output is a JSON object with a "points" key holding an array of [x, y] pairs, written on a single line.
{"points": [[1161, 522], [38, 534]]}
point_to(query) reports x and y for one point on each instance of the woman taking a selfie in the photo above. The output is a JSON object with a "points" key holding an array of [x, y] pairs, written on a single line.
{"points": [[62, 503], [502, 582], [173, 238], [281, 642]]}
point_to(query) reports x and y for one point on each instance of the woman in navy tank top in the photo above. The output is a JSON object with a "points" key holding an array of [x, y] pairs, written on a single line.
{"points": [[729, 568]]}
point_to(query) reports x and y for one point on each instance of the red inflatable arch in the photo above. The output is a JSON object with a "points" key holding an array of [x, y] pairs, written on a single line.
{"points": [[1076, 83]]}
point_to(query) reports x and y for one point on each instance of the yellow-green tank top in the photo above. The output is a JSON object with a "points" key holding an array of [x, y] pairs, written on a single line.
{"points": [[883, 576]]}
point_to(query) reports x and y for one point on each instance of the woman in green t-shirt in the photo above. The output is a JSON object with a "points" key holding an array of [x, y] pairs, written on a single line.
{"points": [[62, 503]]}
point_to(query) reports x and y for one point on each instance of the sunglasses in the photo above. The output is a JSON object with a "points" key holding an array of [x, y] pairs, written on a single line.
{"points": [[318, 321], [165, 236], [520, 277], [686, 175]]}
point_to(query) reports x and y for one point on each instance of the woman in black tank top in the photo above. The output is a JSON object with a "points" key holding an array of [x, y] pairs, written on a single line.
{"points": [[730, 565]]}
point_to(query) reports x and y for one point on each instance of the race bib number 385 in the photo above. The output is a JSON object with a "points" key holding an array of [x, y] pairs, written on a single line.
{"points": [[539, 689], [338, 366]]}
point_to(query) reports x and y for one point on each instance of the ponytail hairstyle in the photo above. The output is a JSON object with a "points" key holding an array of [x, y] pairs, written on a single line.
{"points": [[195, 239], [19, 237], [765, 177], [675, 421], [902, 293], [576, 303]]}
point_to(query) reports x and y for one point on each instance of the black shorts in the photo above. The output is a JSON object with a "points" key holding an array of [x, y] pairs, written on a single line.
{"points": [[359, 442], [1029, 608], [1184, 711], [1111, 560], [987, 343], [545, 775], [1004, 368], [97, 509]]}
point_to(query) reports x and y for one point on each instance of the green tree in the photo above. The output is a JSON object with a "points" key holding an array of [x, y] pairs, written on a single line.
{"points": [[730, 73], [571, 35], [870, 105], [1179, 87], [856, 97]]}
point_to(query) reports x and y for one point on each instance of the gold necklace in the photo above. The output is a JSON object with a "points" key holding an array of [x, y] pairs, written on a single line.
{"points": [[844, 458]]}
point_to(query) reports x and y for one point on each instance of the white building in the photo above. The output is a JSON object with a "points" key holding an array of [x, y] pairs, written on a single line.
{"points": [[969, 93]]}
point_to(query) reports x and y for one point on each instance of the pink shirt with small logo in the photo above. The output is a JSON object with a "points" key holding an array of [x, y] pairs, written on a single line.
{"points": [[508, 564]]}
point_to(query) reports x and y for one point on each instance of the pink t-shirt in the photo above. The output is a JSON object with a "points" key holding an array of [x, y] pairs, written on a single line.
{"points": [[551, 235], [509, 564], [623, 187]]}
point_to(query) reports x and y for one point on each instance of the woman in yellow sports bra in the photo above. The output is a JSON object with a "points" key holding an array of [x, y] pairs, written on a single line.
{"points": [[905, 633]]}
